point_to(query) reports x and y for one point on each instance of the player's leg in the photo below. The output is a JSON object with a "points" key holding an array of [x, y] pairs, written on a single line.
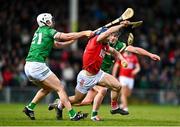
{"points": [[86, 101], [28, 110], [39, 95], [84, 83], [89, 97], [80, 90], [48, 81], [101, 92], [126, 91], [111, 82], [58, 105], [35, 77], [78, 97], [124, 96], [53, 82]]}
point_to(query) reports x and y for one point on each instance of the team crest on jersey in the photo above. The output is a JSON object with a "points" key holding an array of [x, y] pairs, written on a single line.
{"points": [[82, 82]]}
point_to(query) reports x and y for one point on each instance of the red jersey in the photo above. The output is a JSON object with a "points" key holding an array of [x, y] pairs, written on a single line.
{"points": [[132, 61], [93, 55]]}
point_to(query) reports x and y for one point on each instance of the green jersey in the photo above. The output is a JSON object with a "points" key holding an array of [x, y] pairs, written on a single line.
{"points": [[41, 45], [108, 61]]}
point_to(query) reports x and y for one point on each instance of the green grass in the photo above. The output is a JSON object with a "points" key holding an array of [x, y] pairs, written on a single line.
{"points": [[141, 115]]}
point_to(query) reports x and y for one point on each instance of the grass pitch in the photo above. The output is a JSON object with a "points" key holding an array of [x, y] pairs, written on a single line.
{"points": [[140, 115]]}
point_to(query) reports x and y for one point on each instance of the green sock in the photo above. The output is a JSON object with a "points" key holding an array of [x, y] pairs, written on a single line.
{"points": [[72, 113], [94, 113], [31, 106]]}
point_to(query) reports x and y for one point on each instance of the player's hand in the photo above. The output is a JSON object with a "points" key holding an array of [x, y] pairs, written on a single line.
{"points": [[125, 23], [124, 63], [88, 33], [155, 57]]}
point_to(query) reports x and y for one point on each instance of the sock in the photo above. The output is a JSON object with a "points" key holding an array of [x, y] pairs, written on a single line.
{"points": [[114, 105], [60, 106], [121, 106], [31, 106], [126, 109], [94, 113], [72, 113]]}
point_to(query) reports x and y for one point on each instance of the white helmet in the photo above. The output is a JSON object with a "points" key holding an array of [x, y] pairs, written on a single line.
{"points": [[43, 18]]}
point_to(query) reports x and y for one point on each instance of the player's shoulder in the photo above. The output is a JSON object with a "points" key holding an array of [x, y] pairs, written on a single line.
{"points": [[45, 28], [49, 31], [93, 39]]}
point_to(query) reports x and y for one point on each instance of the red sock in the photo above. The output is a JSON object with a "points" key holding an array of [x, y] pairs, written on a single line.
{"points": [[114, 105]]}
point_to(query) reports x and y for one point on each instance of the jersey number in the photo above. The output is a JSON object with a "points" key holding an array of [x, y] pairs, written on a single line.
{"points": [[39, 40]]}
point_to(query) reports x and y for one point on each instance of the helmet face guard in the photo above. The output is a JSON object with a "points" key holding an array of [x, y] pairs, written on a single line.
{"points": [[53, 21]]}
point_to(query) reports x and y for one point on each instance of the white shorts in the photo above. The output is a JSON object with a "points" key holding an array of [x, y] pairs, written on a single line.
{"points": [[85, 83], [126, 81], [36, 71]]}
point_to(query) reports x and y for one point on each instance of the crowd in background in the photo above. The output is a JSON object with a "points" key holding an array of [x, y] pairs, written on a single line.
{"points": [[160, 34]]}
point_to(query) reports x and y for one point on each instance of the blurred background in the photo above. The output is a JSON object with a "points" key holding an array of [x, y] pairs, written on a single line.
{"points": [[157, 82]]}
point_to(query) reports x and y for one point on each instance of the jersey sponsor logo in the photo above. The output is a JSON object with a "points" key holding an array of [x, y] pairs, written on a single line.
{"points": [[82, 82], [45, 72]]}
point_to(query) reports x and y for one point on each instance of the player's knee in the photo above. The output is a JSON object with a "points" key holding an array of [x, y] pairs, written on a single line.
{"points": [[118, 88], [78, 99], [103, 91], [46, 91]]}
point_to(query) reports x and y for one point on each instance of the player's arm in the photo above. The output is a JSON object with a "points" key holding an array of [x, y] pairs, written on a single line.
{"points": [[115, 69], [103, 36], [58, 44], [72, 36], [142, 51], [118, 55], [136, 69]]}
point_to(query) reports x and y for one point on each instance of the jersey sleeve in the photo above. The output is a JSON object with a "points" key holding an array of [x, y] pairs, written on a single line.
{"points": [[52, 32]]}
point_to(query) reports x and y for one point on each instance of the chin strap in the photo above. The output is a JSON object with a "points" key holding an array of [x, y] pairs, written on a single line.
{"points": [[44, 23]]}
